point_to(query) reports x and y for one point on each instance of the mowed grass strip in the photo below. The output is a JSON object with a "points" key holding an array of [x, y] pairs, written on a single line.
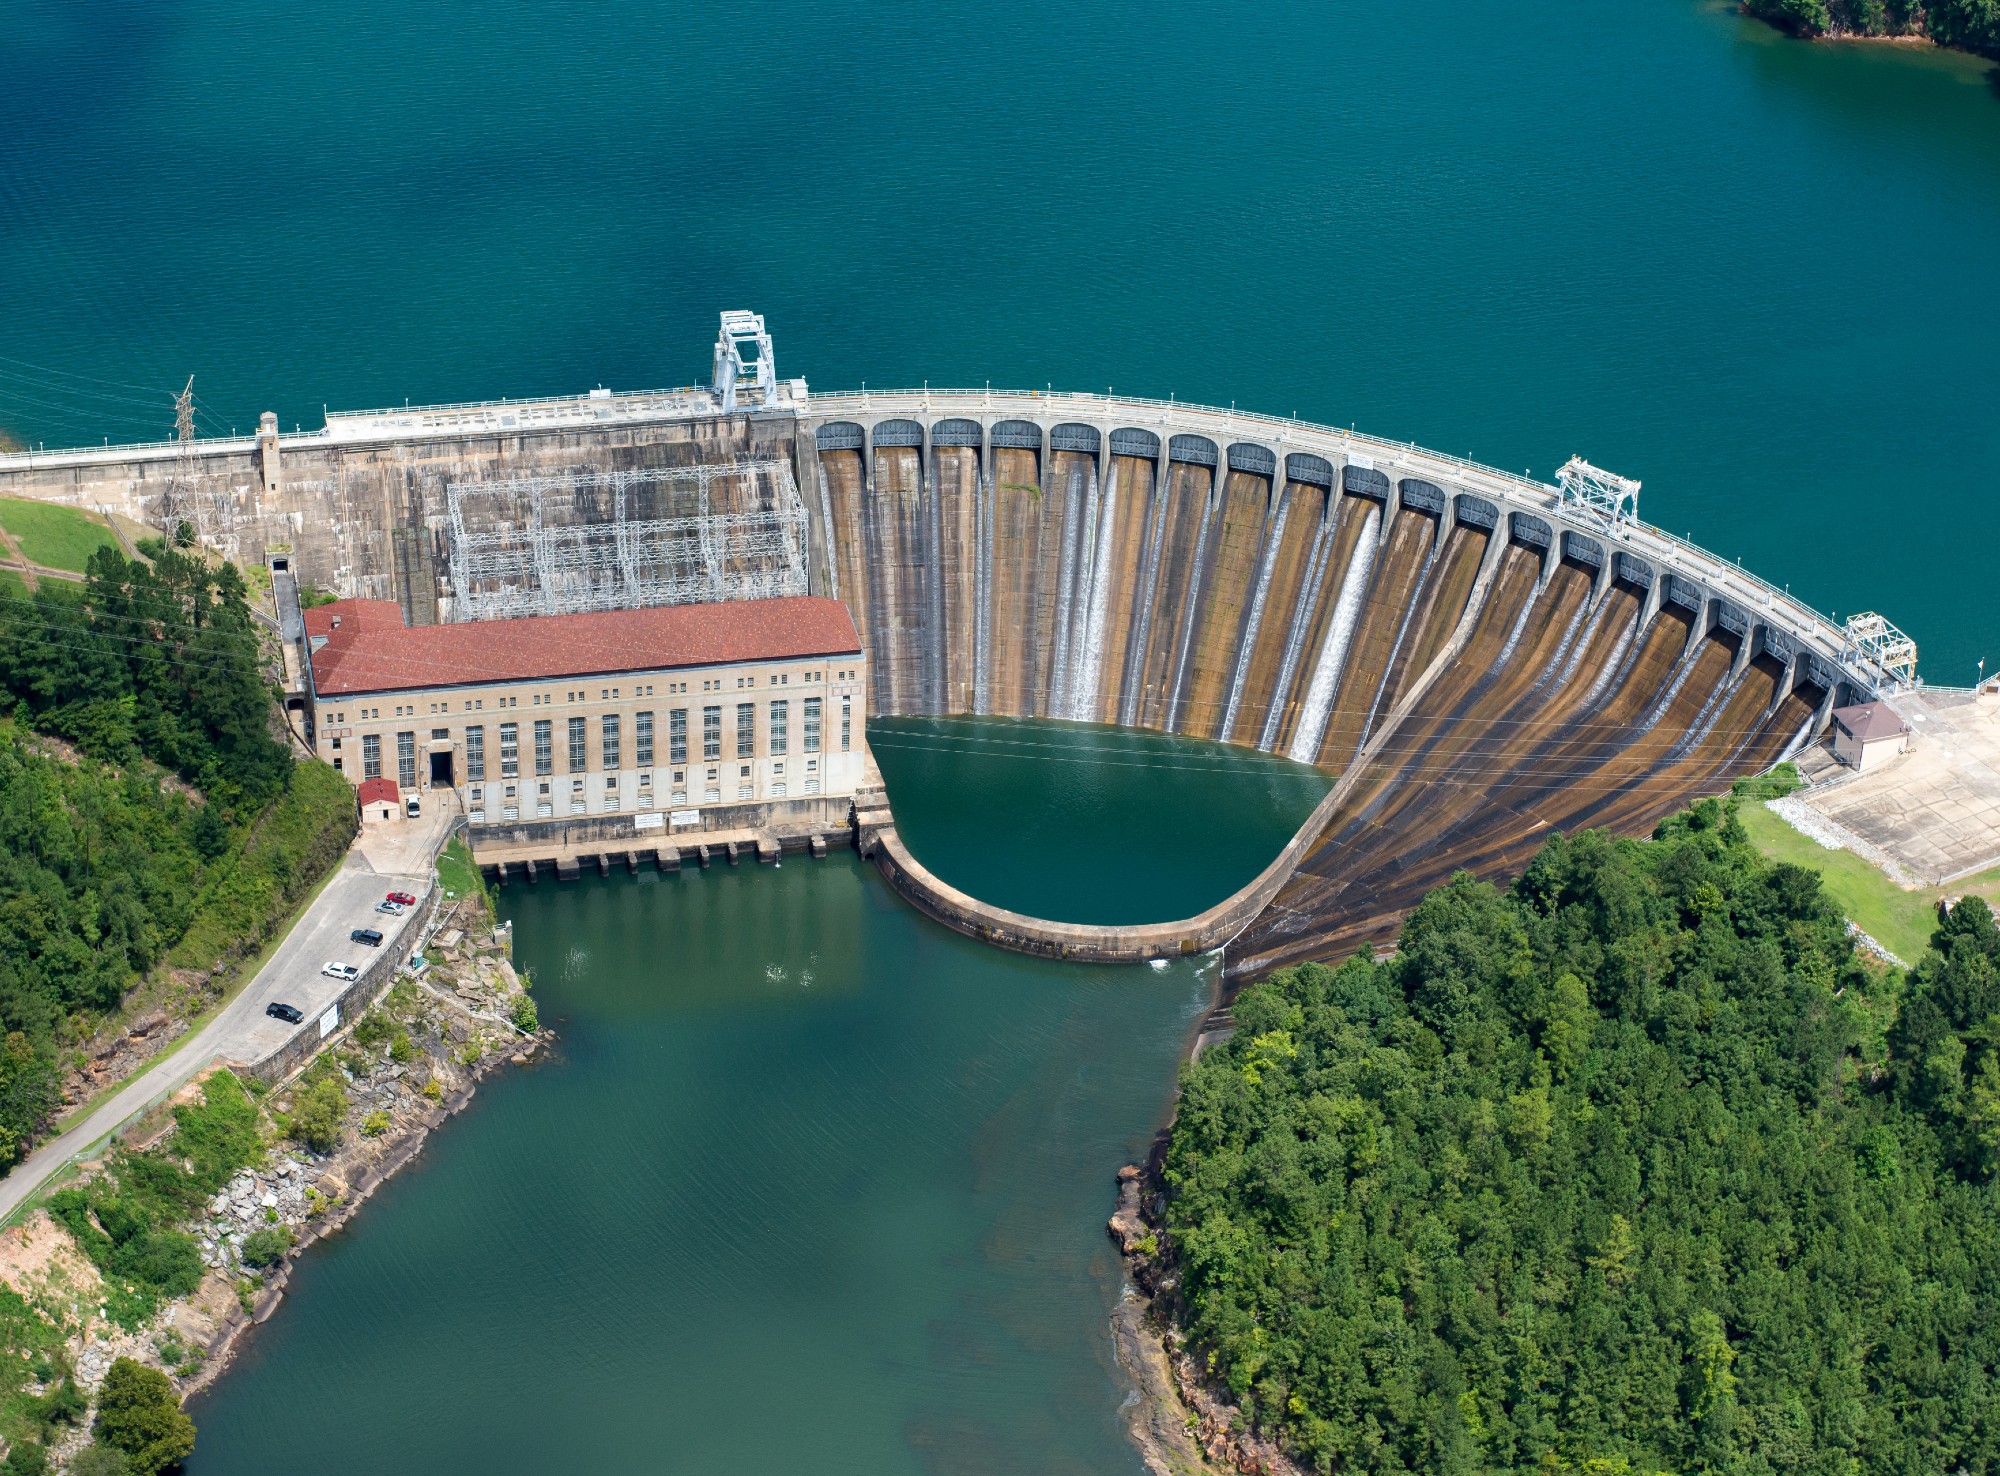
{"points": [[1900, 921], [54, 536]]}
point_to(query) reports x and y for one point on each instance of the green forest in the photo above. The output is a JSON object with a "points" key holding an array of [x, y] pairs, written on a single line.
{"points": [[1630, 1167], [107, 866], [1969, 25]]}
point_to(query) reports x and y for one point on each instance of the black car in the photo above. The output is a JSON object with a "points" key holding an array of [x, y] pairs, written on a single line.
{"points": [[367, 935], [288, 1013]]}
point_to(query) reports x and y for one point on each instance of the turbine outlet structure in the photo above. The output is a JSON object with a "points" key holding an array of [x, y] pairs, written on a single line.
{"points": [[743, 351]]}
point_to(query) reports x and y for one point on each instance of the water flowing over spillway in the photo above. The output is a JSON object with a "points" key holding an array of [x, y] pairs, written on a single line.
{"points": [[1472, 688]]}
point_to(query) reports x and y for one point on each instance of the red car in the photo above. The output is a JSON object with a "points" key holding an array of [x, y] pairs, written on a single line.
{"points": [[403, 897]]}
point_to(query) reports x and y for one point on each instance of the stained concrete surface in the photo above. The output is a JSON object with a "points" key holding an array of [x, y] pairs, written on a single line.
{"points": [[1935, 809]]}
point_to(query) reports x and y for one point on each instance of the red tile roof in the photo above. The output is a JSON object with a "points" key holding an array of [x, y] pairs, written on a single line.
{"points": [[378, 791], [369, 649]]}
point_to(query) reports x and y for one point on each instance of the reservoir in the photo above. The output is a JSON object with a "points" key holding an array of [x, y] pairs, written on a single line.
{"points": [[806, 1178]]}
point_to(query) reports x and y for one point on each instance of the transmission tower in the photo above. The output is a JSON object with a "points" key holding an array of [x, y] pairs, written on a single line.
{"points": [[178, 504]]}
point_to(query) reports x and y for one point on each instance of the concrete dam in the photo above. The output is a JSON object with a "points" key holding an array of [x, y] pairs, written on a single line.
{"points": [[1478, 657]]}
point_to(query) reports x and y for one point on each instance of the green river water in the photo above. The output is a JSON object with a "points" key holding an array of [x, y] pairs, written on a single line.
{"points": [[808, 1183]]}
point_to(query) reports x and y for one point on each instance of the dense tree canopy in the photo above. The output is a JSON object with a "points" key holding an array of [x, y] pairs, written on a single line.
{"points": [[1970, 25], [1600, 1169], [160, 661], [105, 869]]}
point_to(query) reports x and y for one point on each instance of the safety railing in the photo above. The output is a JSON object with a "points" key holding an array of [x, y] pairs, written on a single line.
{"points": [[1727, 579]]}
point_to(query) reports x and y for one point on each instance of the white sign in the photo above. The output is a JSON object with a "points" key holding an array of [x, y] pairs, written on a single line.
{"points": [[330, 1021], [684, 817], [651, 820]]}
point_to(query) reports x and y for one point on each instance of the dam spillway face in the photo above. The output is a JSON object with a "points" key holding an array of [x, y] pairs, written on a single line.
{"points": [[1476, 676], [1477, 659]]}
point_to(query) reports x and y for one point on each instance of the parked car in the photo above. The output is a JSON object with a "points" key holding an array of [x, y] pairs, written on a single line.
{"points": [[413, 807], [366, 935], [288, 1013], [394, 909], [403, 897], [346, 973]]}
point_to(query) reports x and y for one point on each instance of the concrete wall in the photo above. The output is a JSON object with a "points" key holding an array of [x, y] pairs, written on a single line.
{"points": [[353, 1001], [367, 517]]}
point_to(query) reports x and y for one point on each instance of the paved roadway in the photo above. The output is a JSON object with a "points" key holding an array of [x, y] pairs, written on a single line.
{"points": [[391, 858]]}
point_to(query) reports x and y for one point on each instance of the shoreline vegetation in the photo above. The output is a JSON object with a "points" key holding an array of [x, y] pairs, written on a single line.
{"points": [[156, 832], [1959, 25], [181, 1239], [1634, 1166]]}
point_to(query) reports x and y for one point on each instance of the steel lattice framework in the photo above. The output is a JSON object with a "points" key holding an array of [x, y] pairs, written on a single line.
{"points": [[1605, 497], [1873, 642], [542, 546]]}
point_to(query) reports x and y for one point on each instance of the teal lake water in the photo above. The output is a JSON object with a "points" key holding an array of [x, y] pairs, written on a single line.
{"points": [[1754, 273], [747, 1222], [809, 1183]]}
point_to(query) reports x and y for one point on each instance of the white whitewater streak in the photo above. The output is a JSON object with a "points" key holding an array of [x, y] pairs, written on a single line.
{"points": [[1058, 690], [1241, 679], [1659, 710], [1616, 664], [1798, 742], [1513, 639], [931, 499], [1333, 654], [982, 599], [1295, 635], [1708, 717], [1396, 648], [1090, 668], [826, 522], [1211, 511], [1135, 659], [1565, 648]]}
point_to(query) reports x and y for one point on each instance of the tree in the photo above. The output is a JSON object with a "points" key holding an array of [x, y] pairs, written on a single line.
{"points": [[318, 1109], [1605, 1172], [138, 1413], [99, 1460]]}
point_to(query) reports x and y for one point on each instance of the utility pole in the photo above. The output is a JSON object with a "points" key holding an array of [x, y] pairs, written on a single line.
{"points": [[177, 504]]}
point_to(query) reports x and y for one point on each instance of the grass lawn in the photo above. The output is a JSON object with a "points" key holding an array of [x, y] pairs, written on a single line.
{"points": [[1901, 921], [55, 536], [456, 872]]}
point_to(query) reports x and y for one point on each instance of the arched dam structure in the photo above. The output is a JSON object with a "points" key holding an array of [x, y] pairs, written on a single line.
{"points": [[1478, 657]]}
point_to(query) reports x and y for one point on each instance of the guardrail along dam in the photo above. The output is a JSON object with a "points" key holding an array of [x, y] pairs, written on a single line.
{"points": [[1478, 657]]}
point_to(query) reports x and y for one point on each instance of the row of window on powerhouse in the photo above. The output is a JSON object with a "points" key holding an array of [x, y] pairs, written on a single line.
{"points": [[542, 804], [610, 740]]}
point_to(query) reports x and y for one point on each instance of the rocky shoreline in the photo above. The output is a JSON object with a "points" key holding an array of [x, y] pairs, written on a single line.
{"points": [[400, 1072], [1182, 1422]]}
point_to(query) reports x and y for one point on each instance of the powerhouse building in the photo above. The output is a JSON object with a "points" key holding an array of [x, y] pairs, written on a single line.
{"points": [[746, 714]]}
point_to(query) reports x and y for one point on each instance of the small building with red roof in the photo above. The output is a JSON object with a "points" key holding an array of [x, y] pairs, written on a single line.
{"points": [[673, 717], [379, 800]]}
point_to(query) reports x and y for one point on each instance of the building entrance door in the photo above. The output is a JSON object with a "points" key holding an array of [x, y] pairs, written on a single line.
{"points": [[441, 769]]}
